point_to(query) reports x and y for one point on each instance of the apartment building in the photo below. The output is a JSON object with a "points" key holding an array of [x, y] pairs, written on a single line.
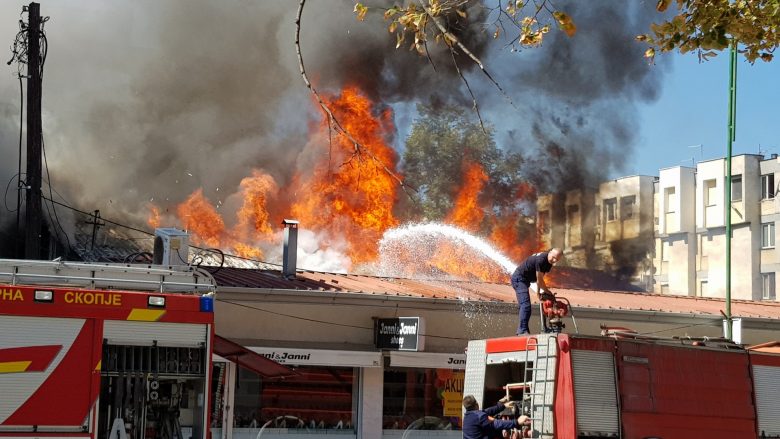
{"points": [[667, 234], [691, 235], [770, 214], [608, 228]]}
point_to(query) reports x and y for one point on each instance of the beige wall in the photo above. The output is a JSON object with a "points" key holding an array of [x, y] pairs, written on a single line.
{"points": [[286, 320]]}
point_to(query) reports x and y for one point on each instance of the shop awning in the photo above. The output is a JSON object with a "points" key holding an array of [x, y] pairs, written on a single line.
{"points": [[249, 359]]}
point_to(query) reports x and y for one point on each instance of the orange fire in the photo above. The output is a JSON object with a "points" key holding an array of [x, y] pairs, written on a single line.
{"points": [[253, 217], [154, 216], [344, 196], [347, 198], [467, 214], [201, 218], [347, 194], [463, 262]]}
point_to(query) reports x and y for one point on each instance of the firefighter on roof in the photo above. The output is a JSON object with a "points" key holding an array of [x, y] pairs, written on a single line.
{"points": [[529, 271]]}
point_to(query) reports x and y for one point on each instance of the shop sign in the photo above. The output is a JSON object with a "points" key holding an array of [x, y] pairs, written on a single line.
{"points": [[428, 360], [321, 357], [401, 333], [452, 393]]}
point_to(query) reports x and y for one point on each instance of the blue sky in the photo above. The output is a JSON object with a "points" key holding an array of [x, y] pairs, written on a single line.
{"points": [[692, 110]]}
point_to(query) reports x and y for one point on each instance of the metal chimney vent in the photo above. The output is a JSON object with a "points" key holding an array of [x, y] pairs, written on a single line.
{"points": [[290, 252]]}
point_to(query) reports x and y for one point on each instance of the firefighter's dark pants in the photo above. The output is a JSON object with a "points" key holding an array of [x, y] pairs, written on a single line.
{"points": [[523, 305]]}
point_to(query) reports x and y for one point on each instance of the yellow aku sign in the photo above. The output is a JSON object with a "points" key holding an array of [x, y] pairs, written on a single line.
{"points": [[452, 394]]}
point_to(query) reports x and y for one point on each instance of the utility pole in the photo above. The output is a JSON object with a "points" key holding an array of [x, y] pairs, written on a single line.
{"points": [[33, 229], [732, 136]]}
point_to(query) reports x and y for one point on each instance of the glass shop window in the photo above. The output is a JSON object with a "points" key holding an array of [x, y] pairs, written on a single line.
{"points": [[422, 399], [318, 398]]}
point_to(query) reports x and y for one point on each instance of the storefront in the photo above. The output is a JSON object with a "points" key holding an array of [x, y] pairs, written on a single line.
{"points": [[322, 397], [422, 391]]}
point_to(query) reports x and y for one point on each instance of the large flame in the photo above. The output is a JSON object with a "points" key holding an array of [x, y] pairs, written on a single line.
{"points": [[466, 213], [346, 197], [201, 219], [253, 216], [351, 195]]}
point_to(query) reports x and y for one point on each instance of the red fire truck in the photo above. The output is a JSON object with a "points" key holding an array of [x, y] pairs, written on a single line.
{"points": [[104, 351], [624, 385]]}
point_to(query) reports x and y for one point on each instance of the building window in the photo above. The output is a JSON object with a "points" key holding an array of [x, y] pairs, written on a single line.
{"points": [[628, 207], [610, 209], [665, 257], [573, 216], [704, 245], [736, 188], [422, 399], [767, 235], [710, 199], [670, 199], [544, 222], [290, 402], [767, 186], [572, 225], [768, 286], [703, 288]]}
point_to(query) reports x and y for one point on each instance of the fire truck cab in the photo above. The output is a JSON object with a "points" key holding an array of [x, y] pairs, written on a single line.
{"points": [[628, 386], [104, 351]]}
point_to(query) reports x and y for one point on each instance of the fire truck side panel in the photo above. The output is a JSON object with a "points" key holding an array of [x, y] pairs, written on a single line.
{"points": [[676, 392], [594, 386], [147, 333], [766, 383], [508, 344], [565, 423], [108, 305], [60, 357]]}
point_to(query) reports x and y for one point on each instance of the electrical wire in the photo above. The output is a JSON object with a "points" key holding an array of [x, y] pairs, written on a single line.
{"points": [[675, 329], [8, 188], [19, 184], [48, 179], [91, 214]]}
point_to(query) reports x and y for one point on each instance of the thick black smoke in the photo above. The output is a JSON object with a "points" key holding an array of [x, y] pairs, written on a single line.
{"points": [[148, 101], [579, 95]]}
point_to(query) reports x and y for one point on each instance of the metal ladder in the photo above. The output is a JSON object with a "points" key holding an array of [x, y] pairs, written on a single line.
{"points": [[542, 384], [138, 277], [218, 392]]}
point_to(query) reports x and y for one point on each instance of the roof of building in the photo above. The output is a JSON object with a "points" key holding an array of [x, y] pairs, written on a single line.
{"points": [[580, 297]]}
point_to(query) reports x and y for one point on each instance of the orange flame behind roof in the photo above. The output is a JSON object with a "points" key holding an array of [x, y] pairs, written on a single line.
{"points": [[467, 214], [201, 218], [347, 198], [460, 261], [154, 216], [253, 216], [354, 200]]}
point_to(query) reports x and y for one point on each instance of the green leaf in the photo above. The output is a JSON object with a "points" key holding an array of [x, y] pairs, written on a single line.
{"points": [[361, 11]]}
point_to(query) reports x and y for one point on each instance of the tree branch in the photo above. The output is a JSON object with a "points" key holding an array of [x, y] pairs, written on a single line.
{"points": [[334, 122], [450, 37]]}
